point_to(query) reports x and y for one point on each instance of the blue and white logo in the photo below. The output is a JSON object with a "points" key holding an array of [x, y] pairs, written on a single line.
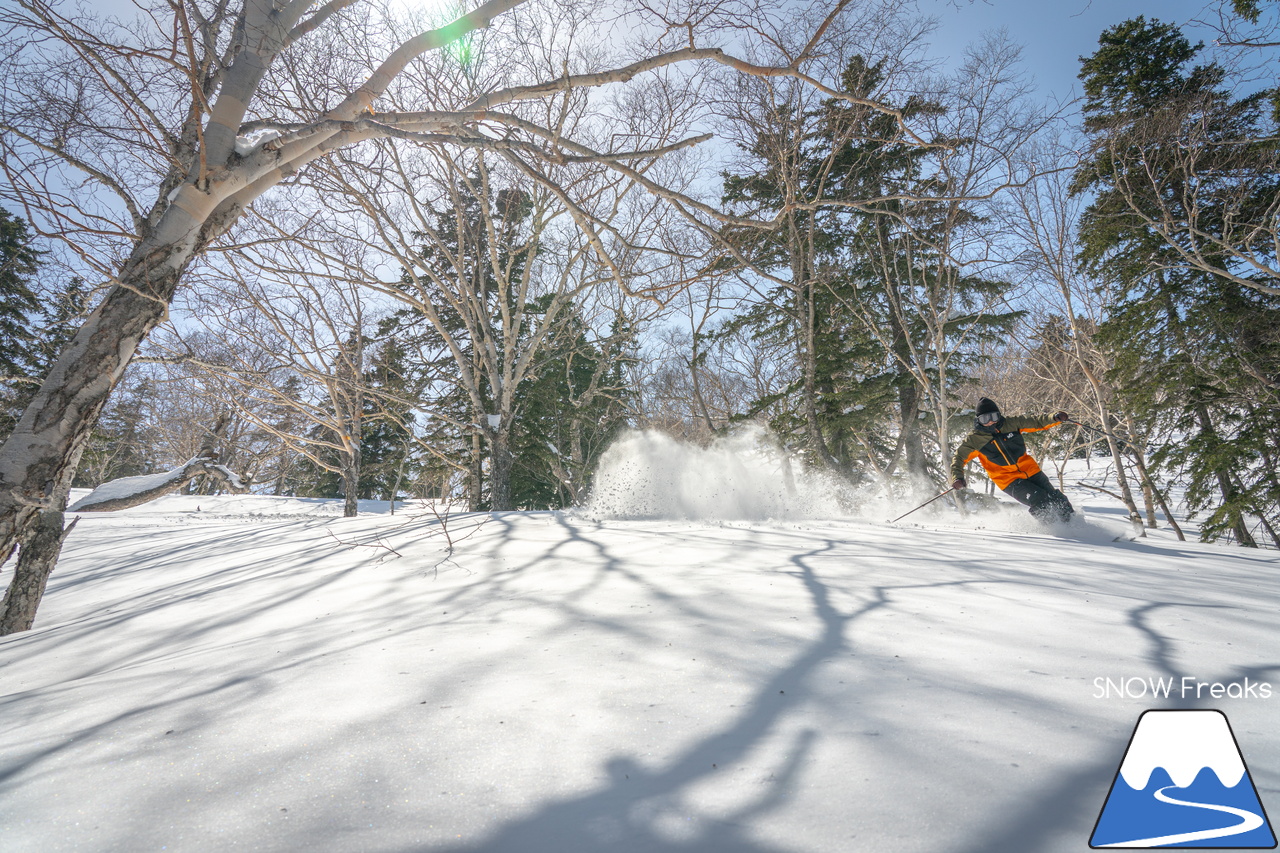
{"points": [[1183, 783]]}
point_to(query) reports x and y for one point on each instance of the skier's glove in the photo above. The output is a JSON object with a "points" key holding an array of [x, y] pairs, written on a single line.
{"points": [[959, 484], [1062, 416]]}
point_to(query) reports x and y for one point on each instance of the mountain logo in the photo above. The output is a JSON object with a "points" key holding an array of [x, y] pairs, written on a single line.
{"points": [[1183, 783]]}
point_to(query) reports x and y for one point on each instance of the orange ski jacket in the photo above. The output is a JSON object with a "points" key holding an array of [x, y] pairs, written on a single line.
{"points": [[1003, 454]]}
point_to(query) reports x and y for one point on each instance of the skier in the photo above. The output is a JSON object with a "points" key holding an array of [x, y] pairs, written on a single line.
{"points": [[997, 442]]}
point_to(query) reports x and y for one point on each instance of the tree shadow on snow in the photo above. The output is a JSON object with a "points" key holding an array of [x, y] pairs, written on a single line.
{"points": [[640, 809]]}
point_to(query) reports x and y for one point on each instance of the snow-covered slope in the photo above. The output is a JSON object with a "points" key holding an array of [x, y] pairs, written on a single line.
{"points": [[258, 673]]}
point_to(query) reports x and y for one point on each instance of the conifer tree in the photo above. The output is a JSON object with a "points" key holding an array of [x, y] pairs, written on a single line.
{"points": [[20, 353], [471, 268], [387, 442], [1195, 352], [568, 413], [869, 298], [19, 303]]}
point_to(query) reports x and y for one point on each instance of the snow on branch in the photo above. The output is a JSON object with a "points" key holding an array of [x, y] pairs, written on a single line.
{"points": [[129, 492]]}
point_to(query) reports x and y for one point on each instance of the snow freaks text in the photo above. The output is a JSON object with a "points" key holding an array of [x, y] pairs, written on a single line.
{"points": [[1187, 687]]}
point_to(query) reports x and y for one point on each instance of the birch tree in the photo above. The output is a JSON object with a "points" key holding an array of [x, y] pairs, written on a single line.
{"points": [[294, 324], [489, 260], [1045, 215]]}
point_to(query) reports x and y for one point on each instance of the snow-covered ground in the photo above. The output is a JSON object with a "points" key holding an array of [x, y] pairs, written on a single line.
{"points": [[256, 673]]}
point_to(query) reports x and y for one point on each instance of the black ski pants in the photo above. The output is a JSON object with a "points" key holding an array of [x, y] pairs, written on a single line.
{"points": [[1046, 502]]}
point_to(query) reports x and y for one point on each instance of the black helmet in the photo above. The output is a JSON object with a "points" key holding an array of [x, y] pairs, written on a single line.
{"points": [[986, 408]]}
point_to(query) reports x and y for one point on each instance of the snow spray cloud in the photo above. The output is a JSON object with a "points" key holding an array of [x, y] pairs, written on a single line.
{"points": [[746, 476]]}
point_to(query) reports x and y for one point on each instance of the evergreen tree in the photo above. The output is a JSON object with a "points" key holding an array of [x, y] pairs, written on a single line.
{"points": [[469, 288], [1195, 353], [451, 444], [19, 304], [872, 304], [387, 442], [569, 412], [839, 367], [59, 320], [33, 328], [21, 361], [123, 442]]}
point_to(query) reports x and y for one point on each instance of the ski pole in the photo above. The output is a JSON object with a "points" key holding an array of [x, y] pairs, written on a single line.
{"points": [[923, 505]]}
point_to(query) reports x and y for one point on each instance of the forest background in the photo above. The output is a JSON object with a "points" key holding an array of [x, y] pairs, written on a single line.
{"points": [[695, 217]]}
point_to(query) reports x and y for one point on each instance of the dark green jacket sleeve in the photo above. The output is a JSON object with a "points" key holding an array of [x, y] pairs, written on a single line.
{"points": [[1029, 422], [978, 440], [971, 445]]}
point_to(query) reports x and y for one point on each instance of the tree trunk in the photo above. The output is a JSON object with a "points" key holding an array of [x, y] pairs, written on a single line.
{"points": [[1271, 531], [40, 548], [1122, 479], [578, 464], [808, 352], [701, 409], [351, 482], [1149, 501], [395, 489], [500, 463], [1220, 472], [56, 425], [129, 492], [1148, 489], [1104, 414], [45, 446], [916, 464], [1269, 460], [475, 473], [943, 418], [1149, 485], [1226, 485]]}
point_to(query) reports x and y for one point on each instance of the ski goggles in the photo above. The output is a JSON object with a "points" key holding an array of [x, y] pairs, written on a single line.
{"points": [[989, 418]]}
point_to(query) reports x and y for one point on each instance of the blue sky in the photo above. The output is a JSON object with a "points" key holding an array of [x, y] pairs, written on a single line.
{"points": [[1055, 33]]}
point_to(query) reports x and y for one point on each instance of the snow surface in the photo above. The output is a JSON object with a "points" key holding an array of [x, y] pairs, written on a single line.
{"points": [[256, 673]]}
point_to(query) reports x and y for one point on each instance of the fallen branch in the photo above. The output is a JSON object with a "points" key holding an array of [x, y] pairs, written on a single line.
{"points": [[128, 492], [1100, 489], [379, 544]]}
